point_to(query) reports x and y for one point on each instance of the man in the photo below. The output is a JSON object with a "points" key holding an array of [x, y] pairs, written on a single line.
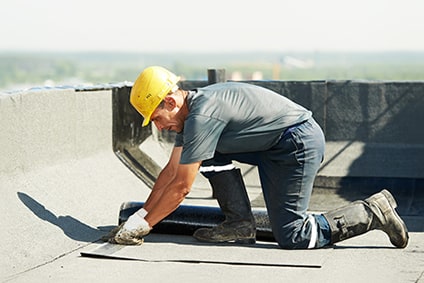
{"points": [[238, 121]]}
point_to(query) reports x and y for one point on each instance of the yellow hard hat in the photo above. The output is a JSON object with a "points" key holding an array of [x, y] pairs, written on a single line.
{"points": [[150, 88]]}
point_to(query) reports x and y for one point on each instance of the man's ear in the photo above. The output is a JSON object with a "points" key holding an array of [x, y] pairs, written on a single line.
{"points": [[170, 103]]}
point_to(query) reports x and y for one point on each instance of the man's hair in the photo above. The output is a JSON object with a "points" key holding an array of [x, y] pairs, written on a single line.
{"points": [[162, 104]]}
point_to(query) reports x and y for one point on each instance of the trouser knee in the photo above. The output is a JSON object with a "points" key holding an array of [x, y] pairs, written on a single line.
{"points": [[309, 233], [287, 237]]}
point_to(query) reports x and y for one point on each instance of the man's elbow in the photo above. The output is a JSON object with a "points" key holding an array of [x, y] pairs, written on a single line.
{"points": [[185, 190], [181, 190]]}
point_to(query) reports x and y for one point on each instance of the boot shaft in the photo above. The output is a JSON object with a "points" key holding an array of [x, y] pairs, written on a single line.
{"points": [[230, 192], [349, 221]]}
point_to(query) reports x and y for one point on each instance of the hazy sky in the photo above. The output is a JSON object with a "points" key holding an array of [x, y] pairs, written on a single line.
{"points": [[217, 25]]}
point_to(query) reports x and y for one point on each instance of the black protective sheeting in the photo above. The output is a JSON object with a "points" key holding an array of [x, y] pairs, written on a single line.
{"points": [[188, 218]]}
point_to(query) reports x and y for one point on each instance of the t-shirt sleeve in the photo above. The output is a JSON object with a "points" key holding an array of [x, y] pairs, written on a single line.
{"points": [[179, 140], [200, 138]]}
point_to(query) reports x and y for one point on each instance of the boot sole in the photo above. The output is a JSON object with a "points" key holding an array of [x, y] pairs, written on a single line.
{"points": [[247, 241]]}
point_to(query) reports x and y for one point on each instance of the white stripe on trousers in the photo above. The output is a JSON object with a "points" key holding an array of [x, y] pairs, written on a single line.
{"points": [[216, 168], [314, 232]]}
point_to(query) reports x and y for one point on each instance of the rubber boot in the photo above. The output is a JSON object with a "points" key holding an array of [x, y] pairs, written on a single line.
{"points": [[359, 217], [239, 225]]}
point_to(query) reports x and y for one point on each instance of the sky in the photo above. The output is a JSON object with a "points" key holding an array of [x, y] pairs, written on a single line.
{"points": [[211, 26]]}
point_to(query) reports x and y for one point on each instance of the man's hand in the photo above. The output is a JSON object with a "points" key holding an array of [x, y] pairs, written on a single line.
{"points": [[133, 230]]}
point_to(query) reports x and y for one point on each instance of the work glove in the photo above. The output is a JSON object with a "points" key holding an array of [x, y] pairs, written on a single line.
{"points": [[132, 231], [112, 233]]}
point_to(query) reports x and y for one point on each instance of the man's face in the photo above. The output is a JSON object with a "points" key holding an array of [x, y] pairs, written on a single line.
{"points": [[166, 118]]}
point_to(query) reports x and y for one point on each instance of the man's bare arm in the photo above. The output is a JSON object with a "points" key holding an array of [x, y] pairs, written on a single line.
{"points": [[173, 194], [164, 179]]}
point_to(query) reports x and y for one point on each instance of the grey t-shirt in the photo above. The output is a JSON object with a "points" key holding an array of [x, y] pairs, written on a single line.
{"points": [[235, 117]]}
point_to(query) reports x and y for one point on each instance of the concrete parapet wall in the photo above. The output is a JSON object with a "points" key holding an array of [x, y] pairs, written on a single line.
{"points": [[60, 181], [41, 128]]}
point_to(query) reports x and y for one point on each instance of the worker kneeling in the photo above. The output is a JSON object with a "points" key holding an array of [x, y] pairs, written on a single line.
{"points": [[233, 121]]}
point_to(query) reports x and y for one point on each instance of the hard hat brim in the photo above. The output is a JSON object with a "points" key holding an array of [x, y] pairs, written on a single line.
{"points": [[146, 121]]}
